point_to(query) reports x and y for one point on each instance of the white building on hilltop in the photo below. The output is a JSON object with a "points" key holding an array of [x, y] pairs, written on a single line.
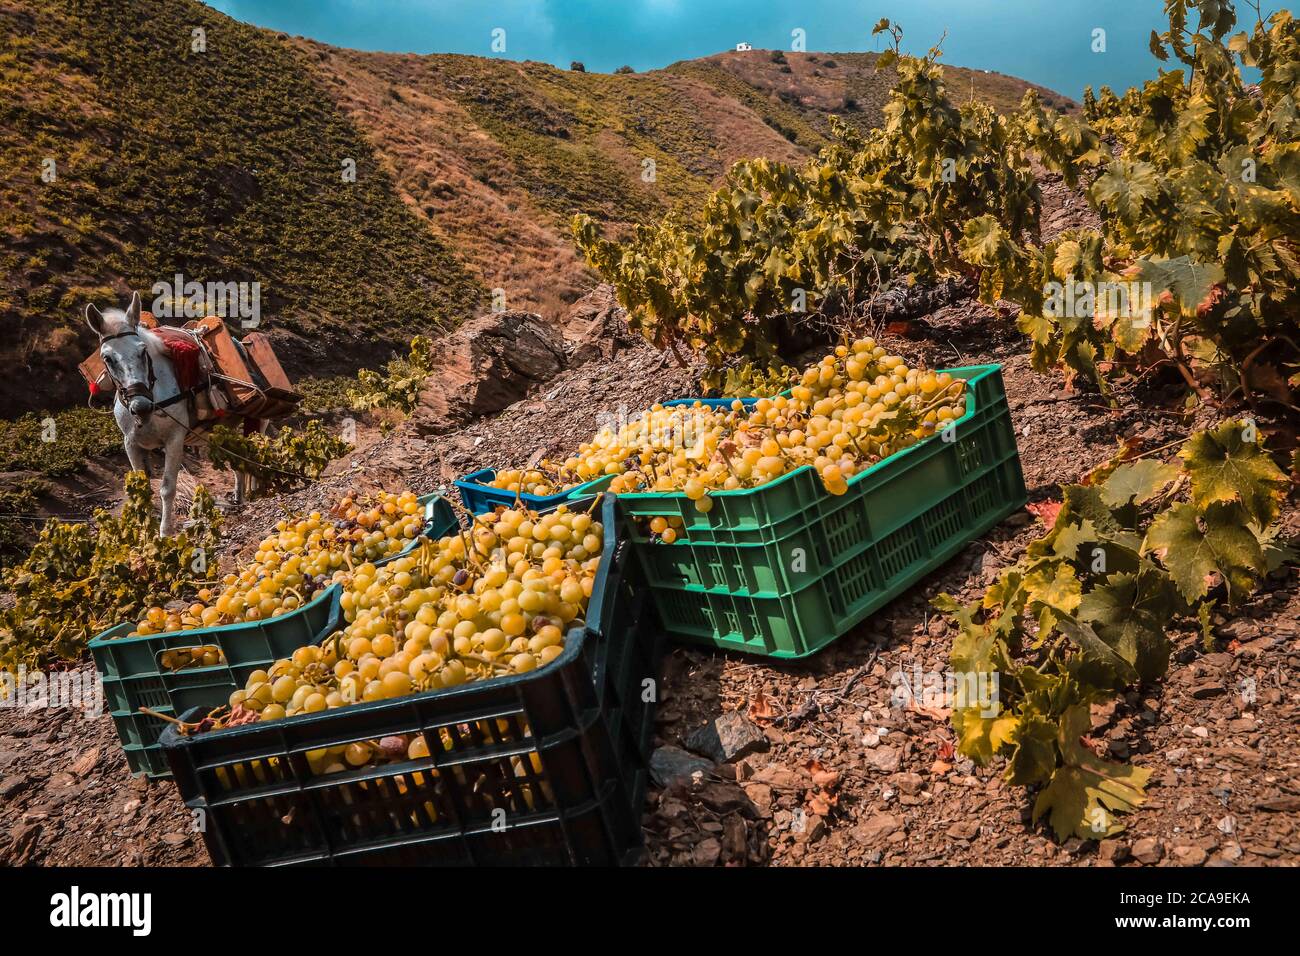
{"points": [[743, 47]]}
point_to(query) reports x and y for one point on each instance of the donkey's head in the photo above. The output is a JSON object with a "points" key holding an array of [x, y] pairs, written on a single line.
{"points": [[126, 354]]}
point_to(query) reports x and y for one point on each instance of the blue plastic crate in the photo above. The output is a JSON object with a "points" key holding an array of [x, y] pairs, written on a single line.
{"points": [[480, 498]]}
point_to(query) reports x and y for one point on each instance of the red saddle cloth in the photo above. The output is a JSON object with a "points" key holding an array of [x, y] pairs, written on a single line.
{"points": [[185, 356]]}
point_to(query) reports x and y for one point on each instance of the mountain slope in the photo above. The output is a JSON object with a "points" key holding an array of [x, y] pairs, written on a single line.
{"points": [[800, 91], [497, 155], [225, 165]]}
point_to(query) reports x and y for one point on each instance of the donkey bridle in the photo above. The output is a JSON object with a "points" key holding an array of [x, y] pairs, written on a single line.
{"points": [[140, 389]]}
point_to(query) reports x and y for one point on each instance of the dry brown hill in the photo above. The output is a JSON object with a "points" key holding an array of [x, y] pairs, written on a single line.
{"points": [[224, 165]]}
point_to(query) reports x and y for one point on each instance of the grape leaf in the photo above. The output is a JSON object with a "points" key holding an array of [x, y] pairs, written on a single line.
{"points": [[1088, 641], [1039, 328], [1086, 502], [1126, 187], [1086, 792], [1034, 758], [1083, 801], [1068, 256], [1072, 537], [1057, 588], [1191, 283], [980, 737], [1137, 481], [984, 240], [1193, 550], [1129, 612], [1224, 467], [1157, 46]]}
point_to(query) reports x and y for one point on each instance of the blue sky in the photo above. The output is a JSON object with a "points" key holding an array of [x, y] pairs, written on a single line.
{"points": [[1046, 41]]}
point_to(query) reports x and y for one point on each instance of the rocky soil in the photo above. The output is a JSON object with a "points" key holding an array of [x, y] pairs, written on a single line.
{"points": [[812, 763]]}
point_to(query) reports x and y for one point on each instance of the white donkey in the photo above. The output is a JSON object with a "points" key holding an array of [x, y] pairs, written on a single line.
{"points": [[151, 409]]}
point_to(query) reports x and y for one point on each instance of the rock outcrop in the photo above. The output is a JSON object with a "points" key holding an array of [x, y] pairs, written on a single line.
{"points": [[486, 365], [596, 327]]}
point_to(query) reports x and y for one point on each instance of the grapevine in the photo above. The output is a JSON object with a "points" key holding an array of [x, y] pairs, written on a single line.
{"points": [[292, 458], [1199, 204], [1194, 269], [398, 386], [779, 245], [1137, 548], [82, 578], [751, 380]]}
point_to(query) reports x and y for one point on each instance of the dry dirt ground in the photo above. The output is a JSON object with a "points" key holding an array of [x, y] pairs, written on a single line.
{"points": [[1224, 758], [834, 771]]}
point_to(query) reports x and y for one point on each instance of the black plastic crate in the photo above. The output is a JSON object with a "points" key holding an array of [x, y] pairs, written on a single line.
{"points": [[548, 767]]}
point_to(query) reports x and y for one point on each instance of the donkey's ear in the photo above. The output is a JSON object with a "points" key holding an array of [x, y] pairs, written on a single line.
{"points": [[95, 319], [133, 311]]}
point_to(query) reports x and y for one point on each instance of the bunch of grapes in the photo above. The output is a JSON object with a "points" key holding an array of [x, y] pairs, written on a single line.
{"points": [[529, 482], [854, 408], [491, 602], [300, 558], [208, 655]]}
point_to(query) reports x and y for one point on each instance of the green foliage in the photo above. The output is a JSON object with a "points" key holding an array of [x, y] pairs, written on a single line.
{"points": [[1140, 547], [289, 460], [57, 443], [748, 380], [81, 578], [398, 386], [323, 394], [18, 503], [1195, 266], [1201, 200], [776, 243]]}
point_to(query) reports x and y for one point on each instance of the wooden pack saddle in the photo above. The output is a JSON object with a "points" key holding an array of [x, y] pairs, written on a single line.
{"points": [[241, 376]]}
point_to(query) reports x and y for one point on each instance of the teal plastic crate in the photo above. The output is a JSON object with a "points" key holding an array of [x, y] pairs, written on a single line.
{"points": [[133, 676], [784, 569]]}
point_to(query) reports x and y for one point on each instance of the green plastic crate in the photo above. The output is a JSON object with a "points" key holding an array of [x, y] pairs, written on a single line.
{"points": [[784, 569], [132, 676]]}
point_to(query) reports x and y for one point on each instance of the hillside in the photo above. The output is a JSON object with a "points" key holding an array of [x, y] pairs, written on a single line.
{"points": [[796, 93], [497, 155], [225, 165]]}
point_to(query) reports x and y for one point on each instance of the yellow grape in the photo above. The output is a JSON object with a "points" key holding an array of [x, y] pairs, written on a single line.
{"points": [[296, 560]]}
